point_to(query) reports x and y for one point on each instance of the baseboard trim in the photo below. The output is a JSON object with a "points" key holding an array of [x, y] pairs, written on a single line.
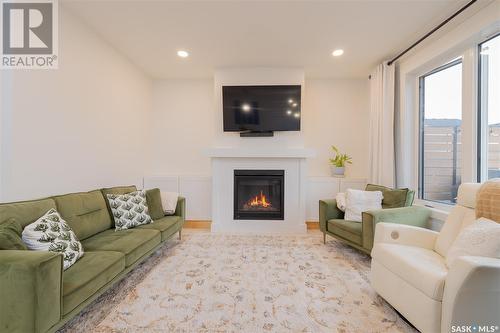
{"points": [[312, 225], [198, 224], [205, 224]]}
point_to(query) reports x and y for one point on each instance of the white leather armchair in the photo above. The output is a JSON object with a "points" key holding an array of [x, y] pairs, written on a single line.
{"points": [[409, 271]]}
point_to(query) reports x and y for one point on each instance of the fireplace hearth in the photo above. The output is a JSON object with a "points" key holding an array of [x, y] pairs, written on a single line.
{"points": [[259, 194]]}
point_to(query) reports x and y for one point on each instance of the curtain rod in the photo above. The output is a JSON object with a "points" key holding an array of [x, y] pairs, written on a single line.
{"points": [[432, 31]]}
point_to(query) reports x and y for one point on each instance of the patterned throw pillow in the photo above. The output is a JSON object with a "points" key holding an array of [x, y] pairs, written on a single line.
{"points": [[51, 233], [129, 210]]}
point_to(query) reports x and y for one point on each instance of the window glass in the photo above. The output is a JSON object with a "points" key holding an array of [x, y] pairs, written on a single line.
{"points": [[489, 115], [441, 133]]}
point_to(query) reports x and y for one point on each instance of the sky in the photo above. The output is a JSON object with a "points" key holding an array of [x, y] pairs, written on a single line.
{"points": [[443, 90]]}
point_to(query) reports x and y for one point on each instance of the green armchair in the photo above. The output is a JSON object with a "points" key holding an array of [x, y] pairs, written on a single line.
{"points": [[396, 208]]}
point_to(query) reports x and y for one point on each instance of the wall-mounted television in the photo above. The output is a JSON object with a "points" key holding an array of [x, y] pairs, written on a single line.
{"points": [[261, 109]]}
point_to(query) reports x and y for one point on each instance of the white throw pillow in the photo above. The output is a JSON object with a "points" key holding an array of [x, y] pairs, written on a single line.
{"points": [[169, 202], [51, 233], [481, 238], [340, 197], [129, 210], [358, 202]]}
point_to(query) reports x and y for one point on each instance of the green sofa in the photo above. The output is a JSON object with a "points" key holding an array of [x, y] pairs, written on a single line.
{"points": [[396, 208], [36, 295]]}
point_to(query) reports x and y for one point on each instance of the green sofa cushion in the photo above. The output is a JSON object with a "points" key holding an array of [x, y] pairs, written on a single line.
{"points": [[153, 198], [26, 212], [134, 243], [393, 198], [10, 235], [349, 230], [86, 213], [167, 225], [89, 274]]}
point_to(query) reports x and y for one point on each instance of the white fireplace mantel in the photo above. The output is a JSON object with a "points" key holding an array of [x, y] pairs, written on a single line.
{"points": [[291, 160], [230, 152]]}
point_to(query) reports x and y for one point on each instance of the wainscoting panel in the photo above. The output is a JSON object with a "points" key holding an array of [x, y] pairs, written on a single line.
{"points": [[198, 190], [319, 188]]}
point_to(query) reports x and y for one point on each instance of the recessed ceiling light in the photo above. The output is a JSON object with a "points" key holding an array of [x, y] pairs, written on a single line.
{"points": [[337, 53], [296, 115], [294, 104], [290, 101], [245, 107], [182, 53], [289, 112]]}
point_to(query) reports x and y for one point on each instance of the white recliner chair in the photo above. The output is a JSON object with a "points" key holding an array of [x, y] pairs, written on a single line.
{"points": [[409, 271]]}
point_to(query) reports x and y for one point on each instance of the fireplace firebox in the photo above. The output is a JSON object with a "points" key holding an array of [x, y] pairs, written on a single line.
{"points": [[259, 194]]}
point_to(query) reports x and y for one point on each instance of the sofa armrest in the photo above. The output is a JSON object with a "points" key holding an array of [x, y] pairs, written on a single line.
{"points": [[328, 210], [472, 293], [393, 233], [413, 215], [30, 290], [180, 210]]}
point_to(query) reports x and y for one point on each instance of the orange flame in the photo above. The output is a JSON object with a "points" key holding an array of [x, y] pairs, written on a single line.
{"points": [[259, 200]]}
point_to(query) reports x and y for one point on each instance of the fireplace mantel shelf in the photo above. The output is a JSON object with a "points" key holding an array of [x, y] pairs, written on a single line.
{"points": [[228, 152]]}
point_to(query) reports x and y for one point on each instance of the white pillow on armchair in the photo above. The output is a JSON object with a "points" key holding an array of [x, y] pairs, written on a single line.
{"points": [[358, 201]]}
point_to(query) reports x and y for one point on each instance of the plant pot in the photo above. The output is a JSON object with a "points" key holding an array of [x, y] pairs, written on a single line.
{"points": [[337, 171]]}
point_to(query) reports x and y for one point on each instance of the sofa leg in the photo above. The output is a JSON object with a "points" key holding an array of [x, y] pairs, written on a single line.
{"points": [[324, 238], [180, 233]]}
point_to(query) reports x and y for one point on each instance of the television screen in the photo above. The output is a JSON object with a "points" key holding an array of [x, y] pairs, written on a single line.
{"points": [[261, 108]]}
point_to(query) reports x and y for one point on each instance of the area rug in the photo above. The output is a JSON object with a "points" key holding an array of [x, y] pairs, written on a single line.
{"points": [[234, 283]]}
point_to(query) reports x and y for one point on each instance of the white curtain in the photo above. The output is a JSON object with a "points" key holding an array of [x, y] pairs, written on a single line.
{"points": [[382, 94]]}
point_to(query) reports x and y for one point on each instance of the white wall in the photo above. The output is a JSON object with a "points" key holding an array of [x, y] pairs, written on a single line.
{"points": [[338, 114], [182, 126], [185, 122], [77, 128]]}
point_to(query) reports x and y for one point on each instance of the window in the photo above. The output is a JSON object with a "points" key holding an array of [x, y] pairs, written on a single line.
{"points": [[441, 133], [489, 110]]}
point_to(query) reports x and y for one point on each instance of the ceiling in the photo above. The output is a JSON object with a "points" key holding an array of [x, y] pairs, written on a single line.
{"points": [[221, 34]]}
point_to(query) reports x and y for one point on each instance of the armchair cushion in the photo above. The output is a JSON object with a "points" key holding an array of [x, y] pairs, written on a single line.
{"points": [[349, 230], [393, 198], [458, 218], [482, 239], [422, 268]]}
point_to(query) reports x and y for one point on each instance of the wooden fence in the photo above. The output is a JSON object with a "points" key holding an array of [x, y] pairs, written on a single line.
{"points": [[442, 160]]}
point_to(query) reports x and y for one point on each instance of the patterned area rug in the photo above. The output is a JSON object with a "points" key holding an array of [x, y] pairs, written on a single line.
{"points": [[225, 283]]}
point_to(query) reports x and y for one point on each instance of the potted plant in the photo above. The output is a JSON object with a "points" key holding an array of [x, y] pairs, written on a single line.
{"points": [[338, 162]]}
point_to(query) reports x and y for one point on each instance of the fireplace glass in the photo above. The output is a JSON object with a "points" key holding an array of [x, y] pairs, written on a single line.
{"points": [[259, 194]]}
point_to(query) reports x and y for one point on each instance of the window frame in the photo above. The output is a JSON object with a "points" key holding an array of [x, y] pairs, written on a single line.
{"points": [[481, 137], [421, 123]]}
